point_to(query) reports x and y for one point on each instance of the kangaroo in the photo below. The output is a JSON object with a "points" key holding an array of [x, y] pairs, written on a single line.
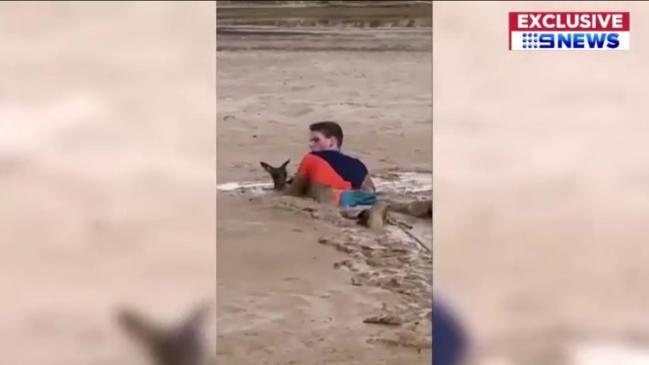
{"points": [[175, 345], [374, 217], [278, 174], [297, 185]]}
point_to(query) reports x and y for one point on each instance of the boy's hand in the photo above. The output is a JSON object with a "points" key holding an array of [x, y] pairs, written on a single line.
{"points": [[368, 185]]}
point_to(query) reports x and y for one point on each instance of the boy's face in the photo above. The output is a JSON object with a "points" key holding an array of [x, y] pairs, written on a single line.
{"points": [[319, 142]]}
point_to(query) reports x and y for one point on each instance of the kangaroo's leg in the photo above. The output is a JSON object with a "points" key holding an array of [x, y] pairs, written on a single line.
{"points": [[417, 208]]}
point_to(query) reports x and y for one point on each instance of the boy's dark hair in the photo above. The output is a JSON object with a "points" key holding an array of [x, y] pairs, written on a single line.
{"points": [[329, 129]]}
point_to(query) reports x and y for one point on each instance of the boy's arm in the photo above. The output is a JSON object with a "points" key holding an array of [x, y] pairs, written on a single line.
{"points": [[368, 184]]}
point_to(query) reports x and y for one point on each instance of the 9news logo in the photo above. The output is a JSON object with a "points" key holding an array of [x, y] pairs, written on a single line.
{"points": [[569, 31]]}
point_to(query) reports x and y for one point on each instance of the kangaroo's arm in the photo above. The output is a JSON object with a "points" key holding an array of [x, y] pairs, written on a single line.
{"points": [[298, 186]]}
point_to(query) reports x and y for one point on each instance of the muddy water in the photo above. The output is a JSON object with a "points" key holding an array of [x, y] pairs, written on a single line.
{"points": [[287, 297], [325, 14]]}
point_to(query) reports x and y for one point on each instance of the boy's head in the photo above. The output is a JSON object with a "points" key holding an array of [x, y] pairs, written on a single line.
{"points": [[325, 136]]}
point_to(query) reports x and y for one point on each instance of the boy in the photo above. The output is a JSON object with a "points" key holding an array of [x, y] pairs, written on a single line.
{"points": [[328, 175]]}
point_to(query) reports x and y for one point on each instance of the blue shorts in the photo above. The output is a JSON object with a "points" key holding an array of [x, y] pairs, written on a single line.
{"points": [[352, 198]]}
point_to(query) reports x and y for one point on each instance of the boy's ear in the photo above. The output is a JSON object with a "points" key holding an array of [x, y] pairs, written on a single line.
{"points": [[266, 166]]}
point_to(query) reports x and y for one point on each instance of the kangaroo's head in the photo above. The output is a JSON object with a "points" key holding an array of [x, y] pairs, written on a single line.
{"points": [[181, 344], [278, 174]]}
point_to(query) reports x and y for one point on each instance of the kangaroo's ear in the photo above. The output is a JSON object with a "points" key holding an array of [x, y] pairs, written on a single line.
{"points": [[194, 321], [137, 327], [266, 166], [286, 163]]}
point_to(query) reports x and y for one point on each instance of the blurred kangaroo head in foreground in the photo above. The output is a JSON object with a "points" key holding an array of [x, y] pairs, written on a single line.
{"points": [[180, 344], [278, 174]]}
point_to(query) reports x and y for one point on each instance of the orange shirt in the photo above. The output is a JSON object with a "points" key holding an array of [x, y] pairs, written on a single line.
{"points": [[333, 169]]}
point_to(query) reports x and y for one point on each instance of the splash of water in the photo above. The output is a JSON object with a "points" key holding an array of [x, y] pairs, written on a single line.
{"points": [[403, 182]]}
